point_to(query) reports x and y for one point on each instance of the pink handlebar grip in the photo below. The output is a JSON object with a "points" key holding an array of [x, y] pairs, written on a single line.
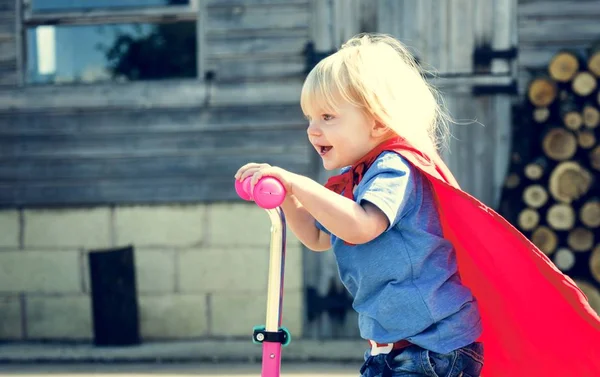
{"points": [[268, 192]]}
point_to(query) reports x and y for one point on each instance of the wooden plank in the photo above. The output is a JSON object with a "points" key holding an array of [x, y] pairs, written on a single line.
{"points": [[7, 6], [389, 15], [183, 164], [254, 3], [464, 83], [407, 21], [168, 93], [461, 36], [504, 35], [245, 47], [255, 93], [7, 23], [242, 19], [437, 52], [110, 192], [539, 9], [8, 78], [8, 50], [103, 16], [114, 145], [321, 33], [248, 69], [557, 31], [150, 94], [127, 121], [107, 192], [201, 55], [503, 133]]}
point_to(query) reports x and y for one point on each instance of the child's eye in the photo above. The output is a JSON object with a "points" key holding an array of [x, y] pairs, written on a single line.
{"points": [[327, 117]]}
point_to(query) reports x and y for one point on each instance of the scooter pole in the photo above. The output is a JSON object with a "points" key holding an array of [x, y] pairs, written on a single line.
{"points": [[269, 193]]}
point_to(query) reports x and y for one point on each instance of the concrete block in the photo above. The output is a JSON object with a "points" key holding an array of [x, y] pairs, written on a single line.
{"points": [[238, 224], [10, 318], [160, 225], [235, 314], [241, 224], [59, 317], [40, 271], [9, 223], [87, 228], [154, 271], [234, 269], [173, 316]]}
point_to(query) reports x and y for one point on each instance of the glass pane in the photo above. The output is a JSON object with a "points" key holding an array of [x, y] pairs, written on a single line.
{"points": [[63, 5], [122, 52]]}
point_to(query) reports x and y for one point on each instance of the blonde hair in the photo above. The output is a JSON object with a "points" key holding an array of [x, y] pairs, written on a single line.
{"points": [[377, 74]]}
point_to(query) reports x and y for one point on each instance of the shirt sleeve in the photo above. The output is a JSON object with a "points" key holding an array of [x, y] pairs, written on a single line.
{"points": [[388, 184]]}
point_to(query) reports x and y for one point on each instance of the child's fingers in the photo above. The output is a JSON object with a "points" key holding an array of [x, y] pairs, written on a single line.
{"points": [[247, 170]]}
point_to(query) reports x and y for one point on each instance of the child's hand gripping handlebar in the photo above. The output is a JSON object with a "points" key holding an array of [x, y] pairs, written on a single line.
{"points": [[268, 192]]}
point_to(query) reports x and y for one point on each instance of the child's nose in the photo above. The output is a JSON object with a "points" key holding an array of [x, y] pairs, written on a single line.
{"points": [[313, 130]]}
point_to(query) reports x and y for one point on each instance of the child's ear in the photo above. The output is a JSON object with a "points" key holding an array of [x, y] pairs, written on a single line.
{"points": [[379, 129]]}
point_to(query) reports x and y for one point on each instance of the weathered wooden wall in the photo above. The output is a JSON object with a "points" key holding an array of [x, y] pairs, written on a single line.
{"points": [[255, 40], [170, 141]]}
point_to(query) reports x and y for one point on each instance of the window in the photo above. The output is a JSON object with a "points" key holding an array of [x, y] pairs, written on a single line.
{"points": [[74, 41]]}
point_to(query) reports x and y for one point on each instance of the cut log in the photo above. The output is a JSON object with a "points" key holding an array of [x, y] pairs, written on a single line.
{"points": [[595, 158], [591, 116], [542, 91], [592, 294], [569, 181], [589, 213], [570, 113], [561, 216], [564, 259], [512, 181], [580, 239], [545, 239], [559, 144], [563, 66], [593, 62], [586, 139], [535, 170], [584, 84], [535, 196], [528, 219], [595, 263], [541, 114]]}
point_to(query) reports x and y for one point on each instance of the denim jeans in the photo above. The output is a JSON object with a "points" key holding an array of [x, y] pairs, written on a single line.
{"points": [[415, 361]]}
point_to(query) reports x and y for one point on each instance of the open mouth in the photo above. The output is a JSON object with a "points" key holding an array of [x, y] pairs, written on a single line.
{"points": [[324, 149]]}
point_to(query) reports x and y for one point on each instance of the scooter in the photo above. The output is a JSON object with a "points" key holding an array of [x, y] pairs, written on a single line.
{"points": [[269, 193]]}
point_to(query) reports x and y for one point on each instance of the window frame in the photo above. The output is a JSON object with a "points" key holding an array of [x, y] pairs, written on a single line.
{"points": [[194, 11]]}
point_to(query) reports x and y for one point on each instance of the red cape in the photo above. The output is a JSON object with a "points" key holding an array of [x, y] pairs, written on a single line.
{"points": [[536, 321]]}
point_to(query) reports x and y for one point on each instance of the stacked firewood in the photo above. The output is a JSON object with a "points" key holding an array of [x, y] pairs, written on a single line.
{"points": [[552, 192]]}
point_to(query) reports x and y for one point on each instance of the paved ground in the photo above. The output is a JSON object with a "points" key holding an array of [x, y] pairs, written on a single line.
{"points": [[174, 370]]}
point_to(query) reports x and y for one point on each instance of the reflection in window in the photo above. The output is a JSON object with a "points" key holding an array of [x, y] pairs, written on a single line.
{"points": [[122, 52], [63, 5]]}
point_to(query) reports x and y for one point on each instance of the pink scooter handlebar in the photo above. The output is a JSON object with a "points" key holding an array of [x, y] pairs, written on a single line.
{"points": [[268, 192]]}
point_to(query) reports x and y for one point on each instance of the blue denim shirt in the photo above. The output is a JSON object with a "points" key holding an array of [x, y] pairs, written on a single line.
{"points": [[405, 283]]}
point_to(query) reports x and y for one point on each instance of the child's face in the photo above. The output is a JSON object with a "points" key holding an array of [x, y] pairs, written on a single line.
{"points": [[341, 138]]}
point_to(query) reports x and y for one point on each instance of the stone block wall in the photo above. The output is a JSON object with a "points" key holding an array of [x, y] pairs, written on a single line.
{"points": [[201, 270]]}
